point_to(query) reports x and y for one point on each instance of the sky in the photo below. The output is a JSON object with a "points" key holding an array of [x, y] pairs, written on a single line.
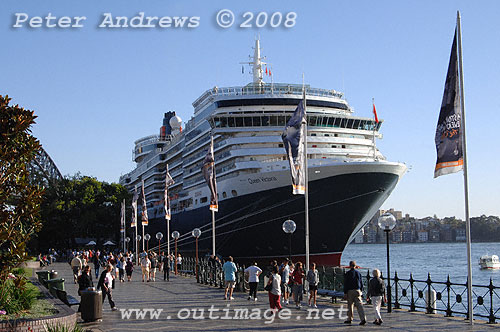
{"points": [[98, 89]]}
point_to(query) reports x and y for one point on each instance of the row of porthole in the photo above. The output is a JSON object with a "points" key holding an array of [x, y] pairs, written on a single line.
{"points": [[224, 195]]}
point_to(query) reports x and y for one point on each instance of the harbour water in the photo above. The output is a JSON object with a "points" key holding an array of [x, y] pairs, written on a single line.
{"points": [[438, 259]]}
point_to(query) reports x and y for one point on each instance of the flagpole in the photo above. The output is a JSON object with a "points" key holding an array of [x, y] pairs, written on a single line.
{"points": [[306, 176], [213, 212], [374, 129], [466, 180], [124, 225], [134, 211]]}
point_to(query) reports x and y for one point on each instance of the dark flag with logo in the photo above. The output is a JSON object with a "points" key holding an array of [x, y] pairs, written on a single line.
{"points": [[449, 133], [134, 208], [144, 212], [293, 139], [208, 170], [168, 182]]}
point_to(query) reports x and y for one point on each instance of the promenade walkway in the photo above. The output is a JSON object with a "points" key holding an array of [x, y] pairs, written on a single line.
{"points": [[182, 295]]}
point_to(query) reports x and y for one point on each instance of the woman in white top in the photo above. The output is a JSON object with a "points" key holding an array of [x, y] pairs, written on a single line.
{"points": [[253, 272], [275, 293]]}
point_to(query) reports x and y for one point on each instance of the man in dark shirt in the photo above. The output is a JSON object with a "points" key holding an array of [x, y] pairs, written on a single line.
{"points": [[353, 287]]}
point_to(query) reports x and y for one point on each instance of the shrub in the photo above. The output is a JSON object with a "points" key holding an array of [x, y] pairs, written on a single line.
{"points": [[17, 294]]}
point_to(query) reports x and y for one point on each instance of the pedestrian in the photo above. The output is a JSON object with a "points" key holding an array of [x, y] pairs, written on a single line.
{"points": [[313, 280], [376, 292], [285, 278], [145, 265], [253, 272], [275, 292], [154, 266], [129, 268], [166, 267], [105, 283], [84, 280], [96, 259], [121, 268], [76, 265], [179, 264], [229, 269], [353, 290], [298, 284]]}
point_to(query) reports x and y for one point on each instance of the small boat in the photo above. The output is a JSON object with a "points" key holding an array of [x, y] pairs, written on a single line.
{"points": [[489, 262]]}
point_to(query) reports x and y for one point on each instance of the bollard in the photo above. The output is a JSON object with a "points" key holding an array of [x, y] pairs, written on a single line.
{"points": [[432, 306]]}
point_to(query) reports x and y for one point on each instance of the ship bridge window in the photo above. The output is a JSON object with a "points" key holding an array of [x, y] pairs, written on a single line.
{"points": [[239, 122], [203, 200], [356, 124]]}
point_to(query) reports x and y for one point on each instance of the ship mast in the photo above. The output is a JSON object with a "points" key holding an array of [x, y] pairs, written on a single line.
{"points": [[257, 63]]}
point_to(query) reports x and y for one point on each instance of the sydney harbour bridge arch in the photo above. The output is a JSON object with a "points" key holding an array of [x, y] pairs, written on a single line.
{"points": [[44, 170]]}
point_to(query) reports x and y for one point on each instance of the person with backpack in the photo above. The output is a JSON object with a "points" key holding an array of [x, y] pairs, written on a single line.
{"points": [[129, 268]]}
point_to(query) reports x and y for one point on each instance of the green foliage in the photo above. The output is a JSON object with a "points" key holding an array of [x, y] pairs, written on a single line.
{"points": [[17, 295], [485, 228], [64, 328], [80, 206], [19, 199]]}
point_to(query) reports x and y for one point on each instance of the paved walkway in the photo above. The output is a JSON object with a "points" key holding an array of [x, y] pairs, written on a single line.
{"points": [[182, 297]]}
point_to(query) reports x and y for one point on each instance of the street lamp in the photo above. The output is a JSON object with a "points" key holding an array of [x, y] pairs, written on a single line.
{"points": [[147, 237], [196, 234], [127, 240], [289, 227], [159, 236], [387, 222], [175, 236]]}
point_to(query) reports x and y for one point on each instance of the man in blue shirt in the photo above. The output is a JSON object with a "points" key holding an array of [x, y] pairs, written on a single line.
{"points": [[229, 269], [353, 287]]}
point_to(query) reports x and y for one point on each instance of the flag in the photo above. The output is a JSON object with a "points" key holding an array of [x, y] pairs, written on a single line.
{"points": [[144, 212], [266, 70], [168, 182], [270, 72], [448, 132], [293, 139], [134, 208], [208, 170], [122, 217], [375, 113]]}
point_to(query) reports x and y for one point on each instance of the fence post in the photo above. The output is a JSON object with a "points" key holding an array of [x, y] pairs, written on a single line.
{"points": [[429, 299], [448, 288], [412, 303], [396, 297], [491, 318]]}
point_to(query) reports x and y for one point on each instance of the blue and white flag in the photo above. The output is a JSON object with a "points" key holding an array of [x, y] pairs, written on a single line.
{"points": [[144, 212], [168, 182], [449, 132], [208, 170], [293, 139], [134, 208]]}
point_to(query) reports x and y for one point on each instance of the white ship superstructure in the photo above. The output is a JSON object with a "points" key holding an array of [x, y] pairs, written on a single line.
{"points": [[246, 124]]}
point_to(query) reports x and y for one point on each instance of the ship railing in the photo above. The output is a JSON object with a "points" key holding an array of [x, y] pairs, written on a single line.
{"points": [[432, 297]]}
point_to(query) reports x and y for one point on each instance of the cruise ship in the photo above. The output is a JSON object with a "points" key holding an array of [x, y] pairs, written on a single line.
{"points": [[349, 178]]}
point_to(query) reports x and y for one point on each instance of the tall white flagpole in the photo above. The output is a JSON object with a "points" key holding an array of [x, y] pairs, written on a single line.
{"points": [[124, 224], [466, 180], [306, 176], [213, 212]]}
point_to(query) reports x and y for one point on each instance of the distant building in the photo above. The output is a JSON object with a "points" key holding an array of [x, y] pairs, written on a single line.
{"points": [[359, 237], [423, 236], [460, 235], [434, 235], [397, 236], [371, 235], [446, 235], [407, 236], [397, 214]]}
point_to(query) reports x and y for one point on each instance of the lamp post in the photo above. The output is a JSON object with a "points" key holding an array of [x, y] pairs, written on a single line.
{"points": [[147, 237], [175, 236], [127, 240], [196, 234], [137, 240], [289, 227], [387, 222], [159, 236]]}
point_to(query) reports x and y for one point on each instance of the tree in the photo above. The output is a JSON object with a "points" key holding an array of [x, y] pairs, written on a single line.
{"points": [[80, 206], [19, 199]]}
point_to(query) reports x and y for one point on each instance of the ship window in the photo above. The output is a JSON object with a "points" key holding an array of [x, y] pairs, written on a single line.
{"points": [[356, 124], [256, 121], [203, 200], [217, 123], [224, 194], [196, 201], [349, 123], [223, 122], [337, 123], [234, 193], [331, 121], [248, 122], [239, 122], [343, 146], [280, 145], [313, 134], [274, 120], [281, 121], [265, 121], [334, 146], [312, 120], [325, 121], [231, 122]]}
